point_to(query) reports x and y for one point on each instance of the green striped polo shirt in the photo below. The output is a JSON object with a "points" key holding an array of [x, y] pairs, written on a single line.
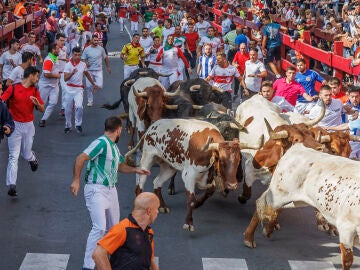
{"points": [[104, 160]]}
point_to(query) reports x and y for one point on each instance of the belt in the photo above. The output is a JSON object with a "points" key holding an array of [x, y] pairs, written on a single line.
{"points": [[74, 85]]}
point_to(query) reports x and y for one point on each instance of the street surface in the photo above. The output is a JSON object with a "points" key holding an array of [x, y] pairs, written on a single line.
{"points": [[45, 227]]}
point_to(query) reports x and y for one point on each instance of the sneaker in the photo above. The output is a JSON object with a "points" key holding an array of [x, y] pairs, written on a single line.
{"points": [[90, 104], [62, 112], [12, 191], [34, 164], [67, 130], [79, 129], [42, 123]]}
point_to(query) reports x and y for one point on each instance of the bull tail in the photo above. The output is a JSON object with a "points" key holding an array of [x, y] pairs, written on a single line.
{"points": [[264, 210], [113, 106], [128, 159]]}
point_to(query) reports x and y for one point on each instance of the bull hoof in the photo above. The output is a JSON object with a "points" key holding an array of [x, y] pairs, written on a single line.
{"points": [[242, 199], [164, 210], [171, 191], [188, 227], [266, 233], [323, 227], [277, 227], [250, 244], [333, 231]]}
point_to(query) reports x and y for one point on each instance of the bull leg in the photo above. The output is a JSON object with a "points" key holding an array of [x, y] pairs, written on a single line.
{"points": [[323, 225], [165, 173], [246, 194], [250, 231], [131, 139], [171, 187], [347, 257], [347, 233], [190, 204], [146, 162], [272, 225], [208, 193]]}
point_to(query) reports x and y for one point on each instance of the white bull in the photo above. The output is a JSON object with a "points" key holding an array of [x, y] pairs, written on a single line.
{"points": [[326, 182], [260, 108]]}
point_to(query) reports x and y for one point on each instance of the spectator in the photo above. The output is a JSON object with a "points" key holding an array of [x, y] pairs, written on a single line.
{"points": [[20, 10]]}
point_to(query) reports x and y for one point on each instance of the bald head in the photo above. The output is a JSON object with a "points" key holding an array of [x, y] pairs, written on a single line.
{"points": [[145, 200]]}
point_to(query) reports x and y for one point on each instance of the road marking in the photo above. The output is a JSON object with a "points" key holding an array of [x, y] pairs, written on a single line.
{"points": [[44, 261], [127, 30], [224, 263], [114, 54], [156, 259], [305, 265]]}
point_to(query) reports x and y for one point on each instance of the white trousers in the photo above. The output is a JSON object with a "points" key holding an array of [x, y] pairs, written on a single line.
{"points": [[103, 205], [167, 81], [181, 66], [20, 141], [97, 76], [134, 26], [128, 70], [51, 93], [63, 89], [73, 95], [121, 22]]}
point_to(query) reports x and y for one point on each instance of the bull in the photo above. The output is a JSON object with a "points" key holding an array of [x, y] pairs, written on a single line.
{"points": [[126, 85], [327, 182], [147, 101], [198, 150]]}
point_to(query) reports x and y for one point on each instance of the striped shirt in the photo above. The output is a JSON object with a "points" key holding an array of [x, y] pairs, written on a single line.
{"points": [[206, 63], [332, 115], [105, 158], [224, 76]]}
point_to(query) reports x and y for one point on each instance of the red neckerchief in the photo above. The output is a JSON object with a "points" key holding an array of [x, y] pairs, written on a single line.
{"points": [[73, 63], [156, 46], [135, 45]]}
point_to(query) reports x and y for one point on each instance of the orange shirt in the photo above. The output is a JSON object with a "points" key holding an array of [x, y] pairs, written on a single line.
{"points": [[341, 96], [20, 10]]}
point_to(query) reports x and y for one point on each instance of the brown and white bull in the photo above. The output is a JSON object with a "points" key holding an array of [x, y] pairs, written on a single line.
{"points": [[198, 150], [329, 183], [147, 101]]}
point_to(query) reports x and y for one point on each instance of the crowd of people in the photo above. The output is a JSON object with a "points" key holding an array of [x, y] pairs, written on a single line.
{"points": [[172, 42]]}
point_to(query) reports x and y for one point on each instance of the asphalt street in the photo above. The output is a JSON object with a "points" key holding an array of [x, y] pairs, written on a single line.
{"points": [[45, 219]]}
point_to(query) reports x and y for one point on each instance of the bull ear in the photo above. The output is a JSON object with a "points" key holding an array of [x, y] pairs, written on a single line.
{"points": [[269, 156]]}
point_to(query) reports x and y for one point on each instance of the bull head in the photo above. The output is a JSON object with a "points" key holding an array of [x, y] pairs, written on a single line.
{"points": [[129, 82], [275, 135], [314, 121], [177, 92]]}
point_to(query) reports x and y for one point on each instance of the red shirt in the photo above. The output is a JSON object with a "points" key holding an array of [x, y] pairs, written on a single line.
{"points": [[191, 40], [240, 59], [122, 12], [160, 12], [100, 36], [87, 22], [20, 105], [288, 90]]}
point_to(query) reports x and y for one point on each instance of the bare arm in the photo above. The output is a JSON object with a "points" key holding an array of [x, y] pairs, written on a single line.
{"points": [[308, 97], [341, 127], [100, 256], [124, 168], [79, 164]]}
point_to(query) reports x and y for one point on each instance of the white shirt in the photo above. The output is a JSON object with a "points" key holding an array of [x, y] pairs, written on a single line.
{"points": [[215, 43], [166, 32], [7, 66], [223, 77], [332, 115], [151, 25], [62, 55], [146, 43], [202, 28], [253, 83], [17, 74], [77, 77]]}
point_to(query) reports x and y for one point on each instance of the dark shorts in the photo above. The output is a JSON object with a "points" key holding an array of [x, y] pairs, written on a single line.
{"points": [[273, 53]]}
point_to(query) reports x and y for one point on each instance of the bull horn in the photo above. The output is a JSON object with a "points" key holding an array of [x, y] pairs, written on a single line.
{"points": [[257, 146], [209, 145], [314, 121], [275, 135], [129, 82], [139, 94], [197, 107], [143, 72], [177, 92], [325, 139], [236, 125], [215, 88], [355, 138], [171, 107], [195, 87], [164, 75]]}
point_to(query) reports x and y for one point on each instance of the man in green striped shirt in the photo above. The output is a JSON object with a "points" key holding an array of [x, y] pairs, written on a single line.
{"points": [[104, 162]]}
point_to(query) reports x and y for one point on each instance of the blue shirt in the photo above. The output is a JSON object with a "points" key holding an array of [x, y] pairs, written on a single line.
{"points": [[307, 80], [241, 38], [271, 31], [54, 7], [206, 63]]}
